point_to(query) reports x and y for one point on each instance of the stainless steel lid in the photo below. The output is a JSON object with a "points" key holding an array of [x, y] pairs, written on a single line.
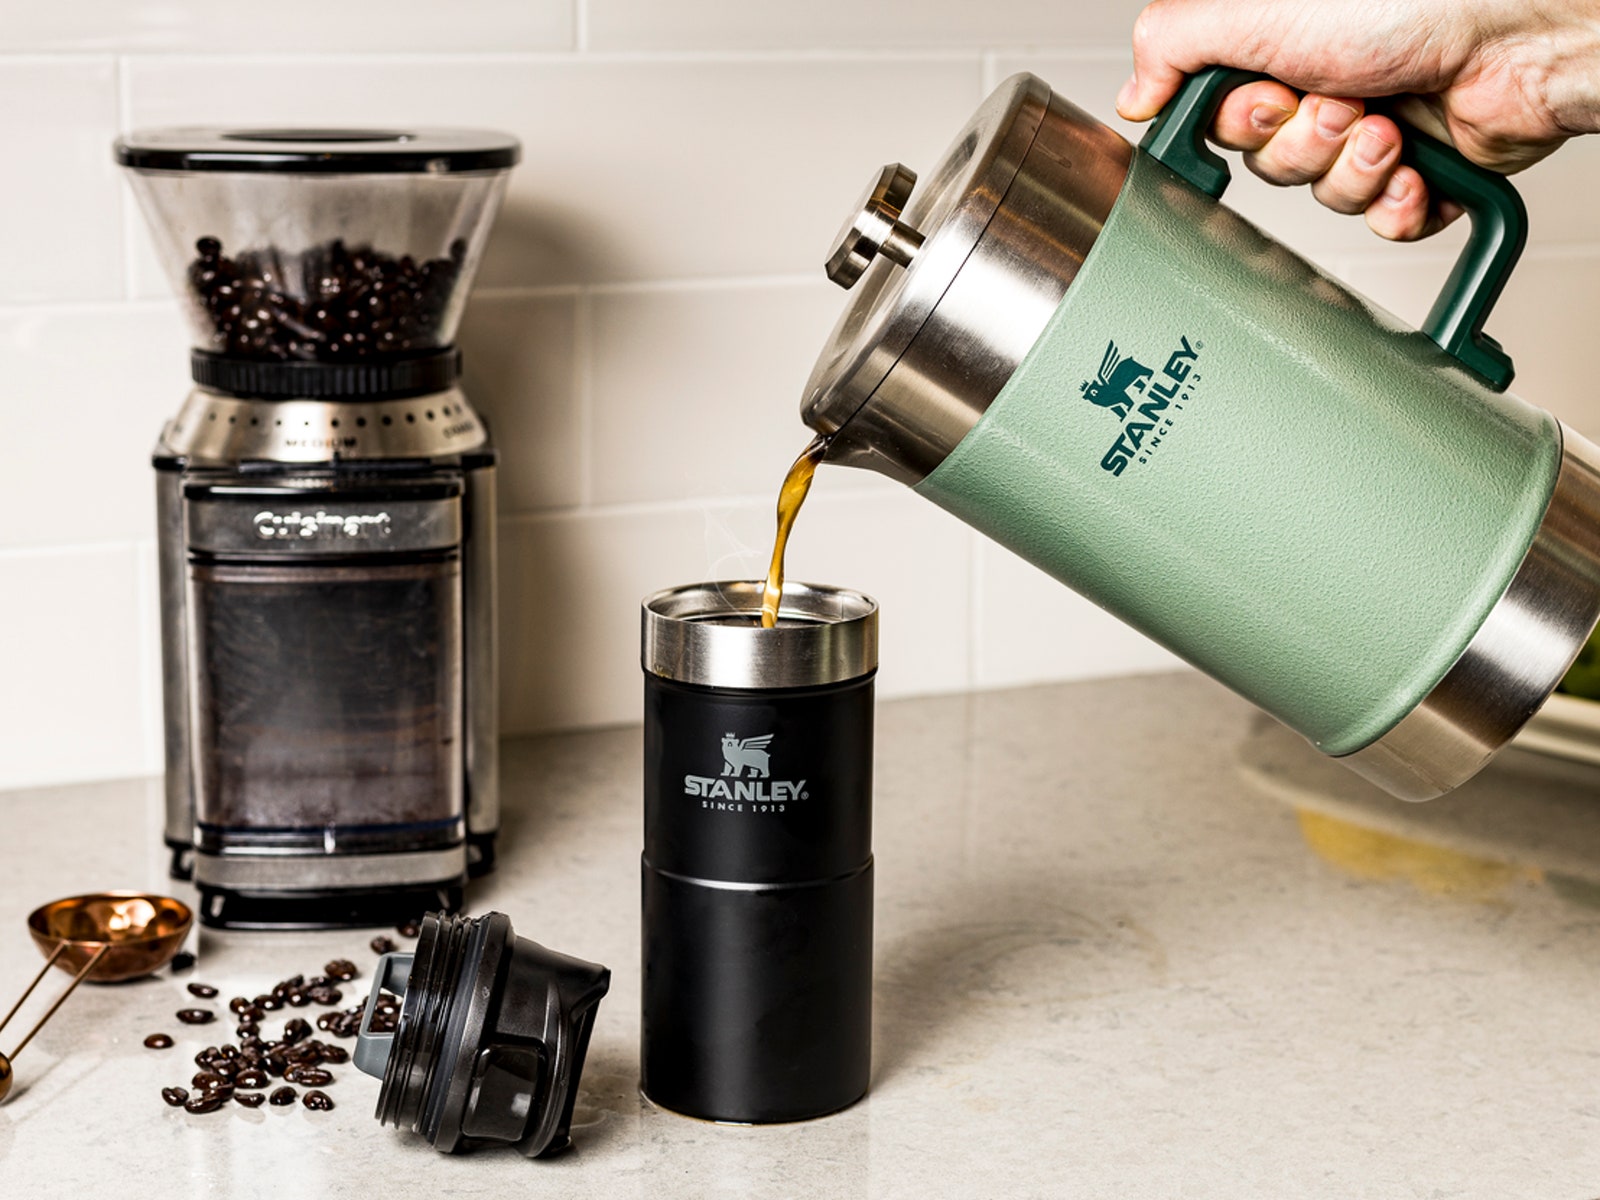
{"points": [[709, 634], [958, 275]]}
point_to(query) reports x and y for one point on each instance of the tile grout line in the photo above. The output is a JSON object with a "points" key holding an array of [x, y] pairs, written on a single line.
{"points": [[126, 215], [977, 562], [669, 505], [566, 56], [989, 68], [583, 394], [67, 549], [150, 681]]}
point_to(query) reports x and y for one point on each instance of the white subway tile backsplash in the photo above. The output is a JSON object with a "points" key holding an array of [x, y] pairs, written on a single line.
{"points": [[697, 393], [845, 25], [1028, 628], [571, 586], [291, 26], [521, 370], [62, 234], [632, 170], [71, 695], [648, 310], [87, 392]]}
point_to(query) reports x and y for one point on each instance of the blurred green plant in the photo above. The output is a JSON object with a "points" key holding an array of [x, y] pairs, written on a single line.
{"points": [[1583, 677]]}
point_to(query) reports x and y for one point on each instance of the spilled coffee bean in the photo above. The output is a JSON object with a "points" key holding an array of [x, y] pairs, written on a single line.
{"points": [[246, 1069], [182, 961], [382, 945], [410, 929]]}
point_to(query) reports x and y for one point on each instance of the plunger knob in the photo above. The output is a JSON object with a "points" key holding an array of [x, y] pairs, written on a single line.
{"points": [[875, 228]]}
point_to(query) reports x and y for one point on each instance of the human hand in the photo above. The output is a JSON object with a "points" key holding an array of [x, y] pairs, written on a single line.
{"points": [[1506, 81]]}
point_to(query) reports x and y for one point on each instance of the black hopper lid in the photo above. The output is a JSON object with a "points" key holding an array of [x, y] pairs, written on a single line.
{"points": [[432, 151]]}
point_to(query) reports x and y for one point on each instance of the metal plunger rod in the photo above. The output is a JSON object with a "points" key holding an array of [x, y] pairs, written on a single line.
{"points": [[61, 999]]}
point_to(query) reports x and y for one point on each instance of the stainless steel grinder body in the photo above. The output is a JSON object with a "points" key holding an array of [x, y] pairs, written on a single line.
{"points": [[1070, 344], [757, 864], [326, 516], [328, 655]]}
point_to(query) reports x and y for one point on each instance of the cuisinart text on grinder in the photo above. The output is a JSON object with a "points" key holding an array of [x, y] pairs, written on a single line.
{"points": [[757, 867]]}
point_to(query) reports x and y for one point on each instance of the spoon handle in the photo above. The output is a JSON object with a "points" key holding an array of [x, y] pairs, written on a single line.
{"points": [[61, 999], [22, 999]]}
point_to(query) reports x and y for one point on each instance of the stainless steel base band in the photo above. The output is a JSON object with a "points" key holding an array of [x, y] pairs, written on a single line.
{"points": [[1518, 655], [314, 873]]}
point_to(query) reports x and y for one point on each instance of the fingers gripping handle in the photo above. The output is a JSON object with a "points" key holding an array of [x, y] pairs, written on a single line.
{"points": [[1177, 138]]}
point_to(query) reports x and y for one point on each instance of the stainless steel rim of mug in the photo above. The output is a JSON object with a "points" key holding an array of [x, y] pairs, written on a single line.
{"points": [[1518, 655], [708, 634]]}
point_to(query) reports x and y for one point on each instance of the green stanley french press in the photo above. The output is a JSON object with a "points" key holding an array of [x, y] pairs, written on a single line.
{"points": [[1070, 344]]}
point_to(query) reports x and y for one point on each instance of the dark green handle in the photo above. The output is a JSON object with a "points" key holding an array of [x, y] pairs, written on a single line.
{"points": [[1177, 137]]}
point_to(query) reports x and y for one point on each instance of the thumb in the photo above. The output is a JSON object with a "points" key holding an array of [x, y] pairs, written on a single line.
{"points": [[1174, 38]]}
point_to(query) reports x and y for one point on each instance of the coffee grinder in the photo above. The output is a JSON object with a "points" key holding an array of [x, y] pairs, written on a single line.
{"points": [[326, 511]]}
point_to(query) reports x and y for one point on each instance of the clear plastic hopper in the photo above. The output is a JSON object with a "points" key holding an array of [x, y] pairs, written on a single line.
{"points": [[318, 245]]}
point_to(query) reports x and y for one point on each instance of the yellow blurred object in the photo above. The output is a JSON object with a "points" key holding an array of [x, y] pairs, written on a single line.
{"points": [[1436, 870]]}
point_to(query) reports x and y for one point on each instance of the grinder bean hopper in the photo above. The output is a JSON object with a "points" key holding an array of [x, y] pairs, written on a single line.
{"points": [[325, 499]]}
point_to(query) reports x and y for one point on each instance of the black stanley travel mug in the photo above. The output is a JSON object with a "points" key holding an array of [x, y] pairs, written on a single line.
{"points": [[757, 871]]}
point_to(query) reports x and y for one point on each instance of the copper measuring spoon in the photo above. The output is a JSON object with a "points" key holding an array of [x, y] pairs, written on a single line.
{"points": [[104, 937]]}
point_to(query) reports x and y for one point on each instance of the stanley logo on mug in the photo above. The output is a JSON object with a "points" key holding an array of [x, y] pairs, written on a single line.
{"points": [[733, 790], [1128, 388]]}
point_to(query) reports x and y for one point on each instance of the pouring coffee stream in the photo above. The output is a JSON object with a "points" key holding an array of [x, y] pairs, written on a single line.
{"points": [[796, 486]]}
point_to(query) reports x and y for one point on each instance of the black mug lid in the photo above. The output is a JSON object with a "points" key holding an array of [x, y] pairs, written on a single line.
{"points": [[320, 151]]}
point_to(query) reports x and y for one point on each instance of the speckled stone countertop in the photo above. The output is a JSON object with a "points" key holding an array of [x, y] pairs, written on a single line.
{"points": [[1132, 940]]}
